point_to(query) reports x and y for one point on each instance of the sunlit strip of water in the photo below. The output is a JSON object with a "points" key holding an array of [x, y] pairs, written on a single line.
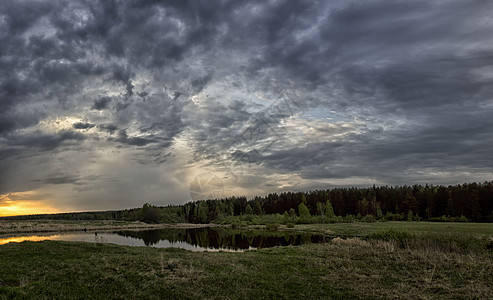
{"points": [[112, 238]]}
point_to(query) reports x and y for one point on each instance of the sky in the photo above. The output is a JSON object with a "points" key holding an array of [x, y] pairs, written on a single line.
{"points": [[112, 104]]}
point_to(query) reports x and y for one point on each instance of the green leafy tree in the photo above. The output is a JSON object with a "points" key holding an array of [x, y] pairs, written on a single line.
{"points": [[285, 217], [326, 211], [304, 213], [410, 216], [330, 211], [292, 212], [150, 214]]}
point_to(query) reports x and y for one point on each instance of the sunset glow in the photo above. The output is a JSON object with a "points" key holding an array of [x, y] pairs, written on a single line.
{"points": [[15, 204], [34, 238]]}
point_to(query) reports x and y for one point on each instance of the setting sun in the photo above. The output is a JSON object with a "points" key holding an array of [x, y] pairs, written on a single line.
{"points": [[15, 204]]}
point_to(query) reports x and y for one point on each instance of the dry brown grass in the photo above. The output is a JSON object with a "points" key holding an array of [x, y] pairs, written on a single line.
{"points": [[350, 241], [8, 227]]}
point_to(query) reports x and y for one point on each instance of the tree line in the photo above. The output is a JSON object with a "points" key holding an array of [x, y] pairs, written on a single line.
{"points": [[462, 202]]}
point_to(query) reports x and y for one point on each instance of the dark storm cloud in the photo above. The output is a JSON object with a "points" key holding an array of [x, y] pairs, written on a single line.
{"points": [[405, 49], [56, 61], [218, 128], [25, 156], [80, 125], [133, 141], [424, 84], [405, 85], [444, 146], [409, 60], [45, 142], [19, 16], [101, 103], [110, 128], [123, 76]]}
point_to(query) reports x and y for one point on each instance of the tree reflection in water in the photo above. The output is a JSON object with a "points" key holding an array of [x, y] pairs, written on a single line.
{"points": [[223, 238]]}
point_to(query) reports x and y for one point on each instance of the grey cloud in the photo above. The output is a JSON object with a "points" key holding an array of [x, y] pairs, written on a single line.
{"points": [[20, 16], [123, 75], [399, 48], [217, 128], [414, 76], [101, 103], [26, 158], [133, 141], [298, 158], [452, 140], [13, 119], [80, 125], [61, 179], [122, 105], [110, 128], [45, 142], [199, 83], [392, 156], [424, 84]]}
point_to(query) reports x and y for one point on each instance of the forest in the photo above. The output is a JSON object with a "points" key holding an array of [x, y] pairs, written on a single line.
{"points": [[469, 202]]}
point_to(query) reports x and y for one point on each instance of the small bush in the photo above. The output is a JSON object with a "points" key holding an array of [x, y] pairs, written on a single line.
{"points": [[290, 225], [349, 219], [444, 218], [394, 217], [337, 219], [248, 218], [369, 219]]}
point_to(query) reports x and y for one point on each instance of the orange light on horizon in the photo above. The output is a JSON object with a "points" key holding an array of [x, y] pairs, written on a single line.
{"points": [[15, 204]]}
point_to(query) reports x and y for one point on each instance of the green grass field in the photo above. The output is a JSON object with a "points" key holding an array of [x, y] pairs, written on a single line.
{"points": [[432, 264], [361, 229]]}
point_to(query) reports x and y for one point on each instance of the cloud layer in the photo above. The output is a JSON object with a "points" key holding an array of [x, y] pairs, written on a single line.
{"points": [[111, 104]]}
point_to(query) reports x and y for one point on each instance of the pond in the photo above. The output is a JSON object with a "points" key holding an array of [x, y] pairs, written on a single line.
{"points": [[194, 239]]}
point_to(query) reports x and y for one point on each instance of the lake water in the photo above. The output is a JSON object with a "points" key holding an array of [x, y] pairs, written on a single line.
{"points": [[194, 239]]}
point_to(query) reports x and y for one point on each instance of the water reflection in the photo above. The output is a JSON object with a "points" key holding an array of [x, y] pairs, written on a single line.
{"points": [[194, 239], [222, 238], [19, 239]]}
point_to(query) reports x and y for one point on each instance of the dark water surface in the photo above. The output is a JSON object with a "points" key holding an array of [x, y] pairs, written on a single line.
{"points": [[194, 239]]}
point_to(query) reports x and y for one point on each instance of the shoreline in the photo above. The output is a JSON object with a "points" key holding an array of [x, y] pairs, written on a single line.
{"points": [[46, 226]]}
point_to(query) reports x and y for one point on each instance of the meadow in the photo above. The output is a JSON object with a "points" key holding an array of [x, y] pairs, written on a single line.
{"points": [[9, 227], [383, 260]]}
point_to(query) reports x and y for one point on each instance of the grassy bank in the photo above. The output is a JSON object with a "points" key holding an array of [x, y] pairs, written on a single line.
{"points": [[8, 227], [345, 268], [362, 229]]}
